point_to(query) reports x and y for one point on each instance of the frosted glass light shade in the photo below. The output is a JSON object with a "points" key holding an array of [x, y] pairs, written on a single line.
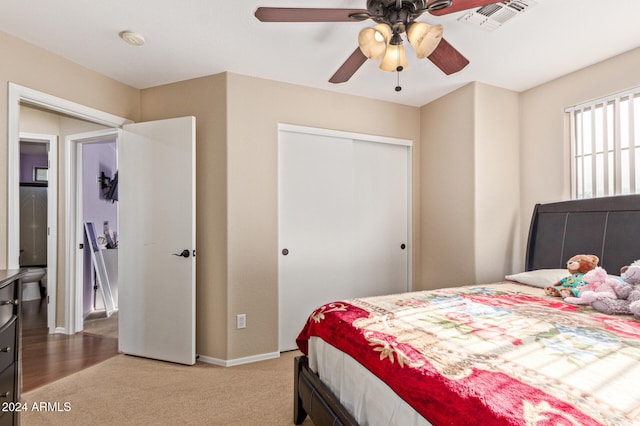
{"points": [[424, 38], [393, 58], [373, 41]]}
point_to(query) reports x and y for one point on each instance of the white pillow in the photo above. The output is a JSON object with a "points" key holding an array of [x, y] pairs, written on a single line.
{"points": [[540, 277]]}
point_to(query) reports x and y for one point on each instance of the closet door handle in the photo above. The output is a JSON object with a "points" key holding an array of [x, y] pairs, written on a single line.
{"points": [[285, 252], [403, 246]]}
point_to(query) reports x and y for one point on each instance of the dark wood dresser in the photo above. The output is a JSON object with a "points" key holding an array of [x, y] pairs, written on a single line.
{"points": [[10, 290]]}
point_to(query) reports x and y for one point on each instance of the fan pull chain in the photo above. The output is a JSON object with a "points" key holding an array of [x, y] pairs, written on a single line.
{"points": [[398, 69]]}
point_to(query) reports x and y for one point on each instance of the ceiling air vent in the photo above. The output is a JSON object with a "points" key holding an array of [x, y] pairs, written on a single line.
{"points": [[492, 16]]}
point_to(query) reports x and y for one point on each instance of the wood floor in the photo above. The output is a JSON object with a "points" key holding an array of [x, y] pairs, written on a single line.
{"points": [[49, 357]]}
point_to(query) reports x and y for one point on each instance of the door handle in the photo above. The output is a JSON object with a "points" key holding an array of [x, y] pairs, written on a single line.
{"points": [[185, 253]]}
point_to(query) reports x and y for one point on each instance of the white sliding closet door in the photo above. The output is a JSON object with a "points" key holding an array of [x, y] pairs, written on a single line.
{"points": [[380, 259], [343, 220]]}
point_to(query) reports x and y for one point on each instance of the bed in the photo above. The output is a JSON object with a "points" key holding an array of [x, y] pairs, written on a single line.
{"points": [[499, 353]]}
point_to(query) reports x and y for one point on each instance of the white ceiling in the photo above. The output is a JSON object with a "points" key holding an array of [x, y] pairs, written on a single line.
{"points": [[194, 38]]}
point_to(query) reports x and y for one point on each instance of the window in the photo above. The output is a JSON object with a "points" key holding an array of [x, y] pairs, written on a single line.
{"points": [[605, 146]]}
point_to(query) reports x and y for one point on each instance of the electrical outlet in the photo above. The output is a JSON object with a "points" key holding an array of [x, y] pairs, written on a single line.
{"points": [[241, 321]]}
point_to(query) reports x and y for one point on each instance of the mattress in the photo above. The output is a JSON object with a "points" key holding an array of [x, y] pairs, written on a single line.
{"points": [[502, 353], [368, 399]]}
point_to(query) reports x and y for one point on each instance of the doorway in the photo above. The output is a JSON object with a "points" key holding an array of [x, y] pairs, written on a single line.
{"points": [[94, 180], [152, 148], [22, 96], [38, 195]]}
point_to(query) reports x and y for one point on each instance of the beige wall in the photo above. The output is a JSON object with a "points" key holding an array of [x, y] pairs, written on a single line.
{"points": [[34, 120], [497, 183], [447, 209], [470, 186], [473, 129], [545, 158], [255, 107]]}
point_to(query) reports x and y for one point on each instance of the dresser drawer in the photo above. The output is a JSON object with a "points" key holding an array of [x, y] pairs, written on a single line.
{"points": [[8, 343], [8, 302], [7, 388], [7, 384], [7, 418]]}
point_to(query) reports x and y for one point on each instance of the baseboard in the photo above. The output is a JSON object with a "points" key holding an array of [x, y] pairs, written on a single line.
{"points": [[238, 361]]}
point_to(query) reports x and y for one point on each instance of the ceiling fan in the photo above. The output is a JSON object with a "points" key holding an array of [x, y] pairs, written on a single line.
{"points": [[384, 41]]}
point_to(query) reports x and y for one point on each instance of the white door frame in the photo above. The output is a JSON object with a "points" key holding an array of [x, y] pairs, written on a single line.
{"points": [[19, 94], [75, 232], [52, 217]]}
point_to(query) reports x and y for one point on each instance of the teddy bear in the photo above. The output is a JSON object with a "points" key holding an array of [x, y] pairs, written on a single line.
{"points": [[599, 286], [578, 265], [627, 305]]}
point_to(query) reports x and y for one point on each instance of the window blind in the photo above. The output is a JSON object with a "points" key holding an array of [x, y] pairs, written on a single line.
{"points": [[605, 145]]}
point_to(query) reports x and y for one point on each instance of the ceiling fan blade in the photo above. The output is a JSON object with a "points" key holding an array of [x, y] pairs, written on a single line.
{"points": [[350, 66], [295, 14], [447, 58], [459, 5]]}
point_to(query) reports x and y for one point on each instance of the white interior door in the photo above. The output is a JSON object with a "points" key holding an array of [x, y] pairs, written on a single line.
{"points": [[156, 255], [343, 220]]}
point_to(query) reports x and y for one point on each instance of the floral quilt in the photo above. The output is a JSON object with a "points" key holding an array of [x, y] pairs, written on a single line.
{"points": [[501, 354]]}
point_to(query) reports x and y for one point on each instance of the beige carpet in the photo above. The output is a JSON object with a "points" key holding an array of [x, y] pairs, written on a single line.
{"points": [[127, 390]]}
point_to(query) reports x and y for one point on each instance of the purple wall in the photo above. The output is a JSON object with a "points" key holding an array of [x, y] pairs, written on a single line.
{"points": [[28, 162], [97, 158]]}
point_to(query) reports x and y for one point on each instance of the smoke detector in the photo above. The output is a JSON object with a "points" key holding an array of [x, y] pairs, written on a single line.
{"points": [[131, 37], [493, 16]]}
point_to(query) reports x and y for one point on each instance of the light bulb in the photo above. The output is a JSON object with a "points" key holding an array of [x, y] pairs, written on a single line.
{"points": [[394, 58]]}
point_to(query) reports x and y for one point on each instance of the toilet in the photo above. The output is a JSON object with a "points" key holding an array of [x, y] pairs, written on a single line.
{"points": [[33, 284]]}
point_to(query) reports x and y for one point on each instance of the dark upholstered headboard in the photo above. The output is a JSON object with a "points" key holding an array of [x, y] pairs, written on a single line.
{"points": [[608, 227]]}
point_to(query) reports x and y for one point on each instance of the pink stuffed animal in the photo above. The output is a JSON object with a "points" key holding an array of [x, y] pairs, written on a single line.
{"points": [[599, 286]]}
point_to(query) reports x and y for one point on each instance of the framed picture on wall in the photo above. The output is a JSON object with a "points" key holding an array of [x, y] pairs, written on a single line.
{"points": [[40, 174]]}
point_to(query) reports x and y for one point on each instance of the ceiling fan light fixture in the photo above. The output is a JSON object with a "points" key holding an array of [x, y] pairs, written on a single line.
{"points": [[424, 38], [394, 59], [373, 41]]}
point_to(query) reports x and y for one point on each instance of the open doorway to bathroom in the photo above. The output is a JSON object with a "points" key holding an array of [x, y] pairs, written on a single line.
{"points": [[34, 226]]}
